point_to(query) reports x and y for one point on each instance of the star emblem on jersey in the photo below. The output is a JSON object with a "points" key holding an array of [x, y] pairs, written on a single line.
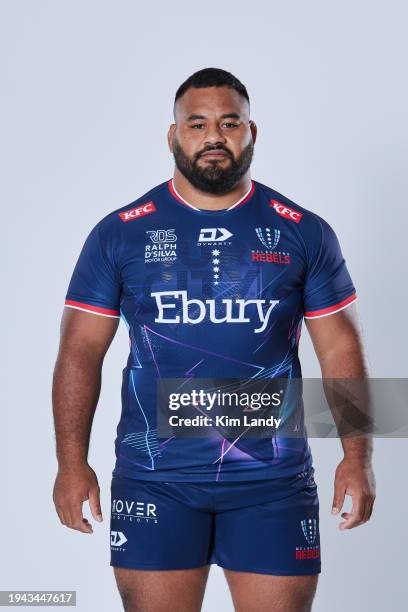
{"points": [[217, 237], [309, 528], [216, 262]]}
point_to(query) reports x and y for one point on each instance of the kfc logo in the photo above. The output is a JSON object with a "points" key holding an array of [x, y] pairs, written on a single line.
{"points": [[285, 211], [135, 213]]}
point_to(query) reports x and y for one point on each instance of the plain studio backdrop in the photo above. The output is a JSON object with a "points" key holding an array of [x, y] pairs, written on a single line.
{"points": [[87, 93]]}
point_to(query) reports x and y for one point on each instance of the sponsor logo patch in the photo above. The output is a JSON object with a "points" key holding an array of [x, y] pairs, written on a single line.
{"points": [[161, 246], [285, 211], [134, 511], [176, 307], [139, 211]]}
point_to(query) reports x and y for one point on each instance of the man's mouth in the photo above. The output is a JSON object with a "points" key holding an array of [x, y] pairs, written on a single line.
{"points": [[215, 153]]}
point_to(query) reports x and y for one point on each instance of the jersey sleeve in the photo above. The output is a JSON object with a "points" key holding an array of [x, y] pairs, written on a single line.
{"points": [[328, 286], [94, 286]]}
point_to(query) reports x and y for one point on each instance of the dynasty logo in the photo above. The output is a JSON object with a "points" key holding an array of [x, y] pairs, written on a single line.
{"points": [[214, 236], [117, 540], [193, 311]]}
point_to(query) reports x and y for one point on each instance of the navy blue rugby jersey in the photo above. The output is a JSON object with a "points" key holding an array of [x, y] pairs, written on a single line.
{"points": [[208, 294]]}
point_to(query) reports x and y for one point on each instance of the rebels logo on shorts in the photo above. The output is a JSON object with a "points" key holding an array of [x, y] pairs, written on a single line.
{"points": [[310, 531], [303, 553]]}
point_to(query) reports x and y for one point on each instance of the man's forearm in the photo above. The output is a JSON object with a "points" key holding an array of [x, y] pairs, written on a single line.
{"points": [[75, 394], [350, 363]]}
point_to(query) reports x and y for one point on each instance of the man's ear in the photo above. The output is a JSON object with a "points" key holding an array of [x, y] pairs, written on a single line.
{"points": [[170, 135], [254, 130]]}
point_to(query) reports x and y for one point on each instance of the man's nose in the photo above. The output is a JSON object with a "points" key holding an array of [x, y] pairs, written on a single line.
{"points": [[214, 135]]}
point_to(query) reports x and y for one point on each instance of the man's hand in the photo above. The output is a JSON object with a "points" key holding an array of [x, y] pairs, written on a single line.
{"points": [[354, 477], [72, 487]]}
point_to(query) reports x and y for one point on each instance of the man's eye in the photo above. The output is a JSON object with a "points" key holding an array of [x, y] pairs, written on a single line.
{"points": [[197, 125]]}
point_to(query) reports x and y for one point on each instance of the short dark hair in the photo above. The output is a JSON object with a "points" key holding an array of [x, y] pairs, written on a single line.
{"points": [[212, 77]]}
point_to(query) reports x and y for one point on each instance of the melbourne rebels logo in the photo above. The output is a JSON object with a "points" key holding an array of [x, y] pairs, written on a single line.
{"points": [[269, 239], [309, 528], [265, 236], [312, 550]]}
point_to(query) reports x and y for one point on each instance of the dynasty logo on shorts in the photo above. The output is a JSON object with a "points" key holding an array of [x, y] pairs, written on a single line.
{"points": [[117, 539]]}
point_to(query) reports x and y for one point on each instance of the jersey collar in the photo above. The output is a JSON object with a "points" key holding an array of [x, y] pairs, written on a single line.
{"points": [[240, 202]]}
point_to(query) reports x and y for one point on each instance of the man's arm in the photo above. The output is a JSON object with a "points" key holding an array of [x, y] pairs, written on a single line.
{"points": [[85, 338], [339, 348]]}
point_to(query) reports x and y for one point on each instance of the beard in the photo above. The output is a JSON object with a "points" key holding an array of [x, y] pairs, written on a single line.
{"points": [[213, 178]]}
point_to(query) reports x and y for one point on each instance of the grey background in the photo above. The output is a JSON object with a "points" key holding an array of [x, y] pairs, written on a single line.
{"points": [[87, 91]]}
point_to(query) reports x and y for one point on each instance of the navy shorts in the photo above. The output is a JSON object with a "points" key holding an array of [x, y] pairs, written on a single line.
{"points": [[263, 526]]}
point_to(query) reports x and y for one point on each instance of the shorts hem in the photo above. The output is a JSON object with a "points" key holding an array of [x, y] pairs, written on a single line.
{"points": [[154, 566], [253, 570], [262, 570]]}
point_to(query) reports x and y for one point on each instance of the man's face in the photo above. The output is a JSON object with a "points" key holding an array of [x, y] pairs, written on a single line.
{"points": [[213, 139]]}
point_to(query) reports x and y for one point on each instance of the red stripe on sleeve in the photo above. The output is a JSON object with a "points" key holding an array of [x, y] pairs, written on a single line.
{"points": [[92, 308], [331, 309]]}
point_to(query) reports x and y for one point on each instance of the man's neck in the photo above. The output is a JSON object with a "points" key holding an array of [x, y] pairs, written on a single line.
{"points": [[209, 201]]}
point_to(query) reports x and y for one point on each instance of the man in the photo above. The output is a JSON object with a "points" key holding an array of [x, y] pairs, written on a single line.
{"points": [[213, 273]]}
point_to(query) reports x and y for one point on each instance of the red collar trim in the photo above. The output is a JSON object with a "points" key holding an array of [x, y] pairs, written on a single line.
{"points": [[240, 202]]}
